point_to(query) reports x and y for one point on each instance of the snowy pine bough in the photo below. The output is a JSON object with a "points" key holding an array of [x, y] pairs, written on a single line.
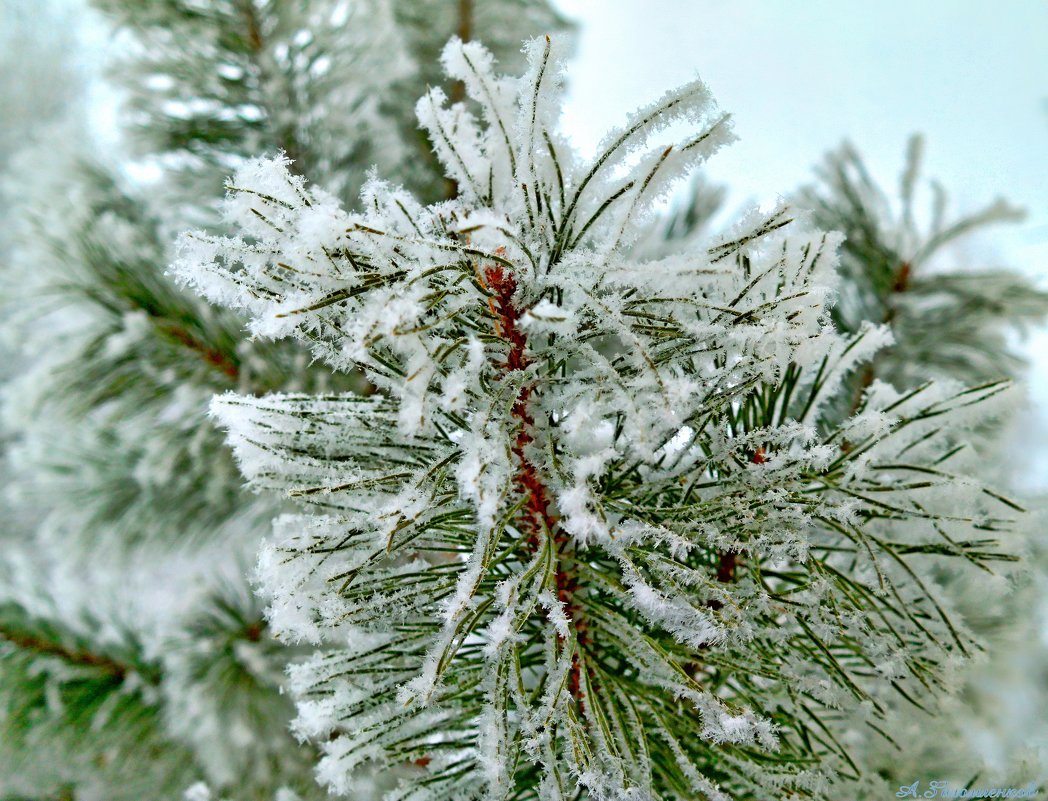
{"points": [[593, 528]]}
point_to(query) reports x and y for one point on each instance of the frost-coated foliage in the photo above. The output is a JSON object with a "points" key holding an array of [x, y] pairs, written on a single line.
{"points": [[111, 470], [950, 316], [330, 82], [136, 661], [103, 339], [213, 81], [591, 528], [947, 320]]}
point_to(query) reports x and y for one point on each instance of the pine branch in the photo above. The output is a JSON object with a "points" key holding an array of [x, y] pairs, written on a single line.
{"points": [[284, 136], [79, 715], [225, 364], [541, 521], [115, 447], [886, 261], [38, 645], [535, 527]]}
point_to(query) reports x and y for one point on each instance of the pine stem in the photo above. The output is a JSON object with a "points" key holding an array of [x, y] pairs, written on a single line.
{"points": [[28, 642], [900, 284], [465, 20], [726, 567], [464, 31], [253, 631], [212, 356], [285, 139], [539, 517], [728, 561]]}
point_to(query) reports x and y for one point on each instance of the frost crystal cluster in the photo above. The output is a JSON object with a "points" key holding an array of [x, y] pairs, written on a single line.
{"points": [[591, 532]]}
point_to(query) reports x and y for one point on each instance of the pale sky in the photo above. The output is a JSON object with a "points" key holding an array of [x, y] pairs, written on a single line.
{"points": [[801, 76]]}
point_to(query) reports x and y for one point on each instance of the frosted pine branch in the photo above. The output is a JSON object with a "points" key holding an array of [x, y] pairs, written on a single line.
{"points": [[950, 318], [592, 530]]}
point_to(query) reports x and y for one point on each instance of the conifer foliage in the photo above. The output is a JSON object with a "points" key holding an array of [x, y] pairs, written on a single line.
{"points": [[592, 534], [134, 658], [946, 321]]}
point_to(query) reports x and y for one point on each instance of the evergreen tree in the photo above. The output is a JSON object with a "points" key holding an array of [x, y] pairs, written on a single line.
{"points": [[600, 530], [600, 504], [135, 660]]}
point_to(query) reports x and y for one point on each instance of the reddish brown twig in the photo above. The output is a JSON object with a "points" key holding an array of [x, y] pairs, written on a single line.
{"points": [[213, 357], [900, 284], [28, 642], [539, 516], [728, 561]]}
